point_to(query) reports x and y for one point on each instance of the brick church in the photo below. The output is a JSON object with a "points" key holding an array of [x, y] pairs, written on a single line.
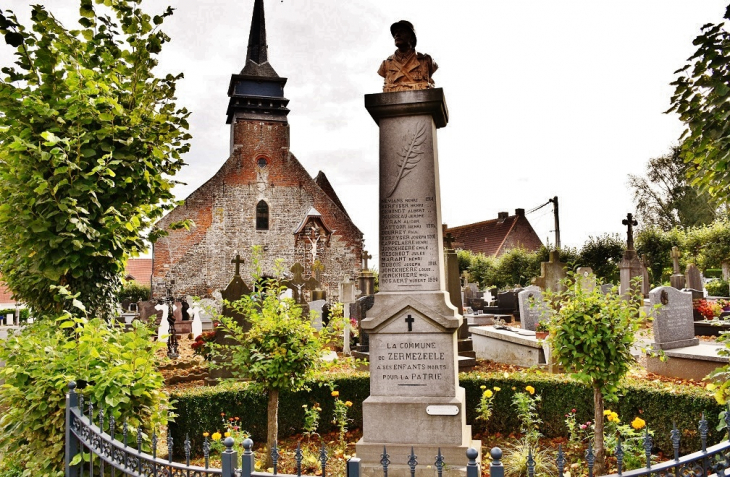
{"points": [[260, 196]]}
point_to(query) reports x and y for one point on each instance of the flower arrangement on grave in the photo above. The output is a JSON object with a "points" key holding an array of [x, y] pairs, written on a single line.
{"points": [[709, 309], [200, 345]]}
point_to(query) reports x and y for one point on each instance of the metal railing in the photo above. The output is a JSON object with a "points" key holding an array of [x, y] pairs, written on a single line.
{"points": [[91, 449]]}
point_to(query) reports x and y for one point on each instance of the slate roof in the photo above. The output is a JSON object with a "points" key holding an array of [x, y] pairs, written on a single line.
{"points": [[325, 185]]}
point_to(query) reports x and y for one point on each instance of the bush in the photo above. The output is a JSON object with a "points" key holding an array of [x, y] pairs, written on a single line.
{"points": [[659, 404], [134, 291], [718, 288], [24, 313], [40, 362]]}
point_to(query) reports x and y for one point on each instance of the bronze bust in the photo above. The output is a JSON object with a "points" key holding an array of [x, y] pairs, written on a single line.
{"points": [[406, 69]]}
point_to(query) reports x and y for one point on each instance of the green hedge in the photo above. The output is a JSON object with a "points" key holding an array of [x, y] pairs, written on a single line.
{"points": [[657, 403], [24, 314]]}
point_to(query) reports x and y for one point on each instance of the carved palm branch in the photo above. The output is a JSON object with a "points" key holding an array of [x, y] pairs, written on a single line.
{"points": [[409, 156]]}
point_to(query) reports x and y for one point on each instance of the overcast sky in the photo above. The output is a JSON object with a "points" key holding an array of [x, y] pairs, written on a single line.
{"points": [[545, 97]]}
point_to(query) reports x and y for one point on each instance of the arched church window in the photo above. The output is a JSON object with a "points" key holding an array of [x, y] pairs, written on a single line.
{"points": [[262, 215], [261, 162]]}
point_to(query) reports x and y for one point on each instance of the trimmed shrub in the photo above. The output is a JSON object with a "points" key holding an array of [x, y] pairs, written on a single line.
{"points": [[199, 410]]}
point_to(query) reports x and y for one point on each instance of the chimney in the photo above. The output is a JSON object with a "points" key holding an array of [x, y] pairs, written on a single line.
{"points": [[520, 212], [502, 216]]}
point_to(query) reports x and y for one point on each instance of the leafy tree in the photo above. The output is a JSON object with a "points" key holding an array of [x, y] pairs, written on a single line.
{"points": [[702, 100], [712, 243], [603, 254], [665, 198], [119, 366], [280, 352], [89, 138], [516, 267], [657, 245], [591, 335]]}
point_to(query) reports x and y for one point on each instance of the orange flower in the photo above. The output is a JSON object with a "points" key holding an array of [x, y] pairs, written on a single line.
{"points": [[348, 403], [335, 393], [205, 434], [530, 390]]}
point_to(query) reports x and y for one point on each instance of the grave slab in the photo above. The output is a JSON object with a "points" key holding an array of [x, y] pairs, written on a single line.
{"points": [[508, 347]]}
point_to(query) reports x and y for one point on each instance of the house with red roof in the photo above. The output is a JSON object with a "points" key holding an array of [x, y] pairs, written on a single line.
{"points": [[494, 237]]}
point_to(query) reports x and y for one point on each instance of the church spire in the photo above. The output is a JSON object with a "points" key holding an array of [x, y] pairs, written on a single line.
{"points": [[257, 56]]}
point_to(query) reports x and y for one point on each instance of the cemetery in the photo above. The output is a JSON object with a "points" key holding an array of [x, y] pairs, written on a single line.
{"points": [[268, 342]]}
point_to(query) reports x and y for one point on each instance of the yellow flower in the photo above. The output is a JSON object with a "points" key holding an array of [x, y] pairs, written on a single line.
{"points": [[497, 389], [482, 387], [227, 434], [488, 393], [205, 434], [612, 416], [607, 412], [335, 393], [638, 423], [530, 389], [304, 406], [348, 403], [216, 436]]}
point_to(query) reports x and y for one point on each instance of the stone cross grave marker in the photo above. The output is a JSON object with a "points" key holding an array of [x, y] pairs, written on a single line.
{"points": [[316, 306], [630, 223], [347, 296], [677, 279], [694, 277], [673, 321], [552, 273], [533, 308]]}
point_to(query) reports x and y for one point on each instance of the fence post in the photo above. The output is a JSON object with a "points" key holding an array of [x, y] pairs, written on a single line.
{"points": [[472, 468], [247, 458], [354, 467], [496, 469], [72, 443], [229, 459]]}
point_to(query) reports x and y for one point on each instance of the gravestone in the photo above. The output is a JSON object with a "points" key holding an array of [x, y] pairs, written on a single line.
{"points": [[677, 279], [533, 308], [197, 324], [467, 356], [366, 279], [673, 321], [694, 277], [552, 273], [586, 278], [236, 289], [347, 296], [317, 306], [607, 288], [148, 313], [415, 400], [164, 329], [645, 280], [358, 311], [630, 266]]}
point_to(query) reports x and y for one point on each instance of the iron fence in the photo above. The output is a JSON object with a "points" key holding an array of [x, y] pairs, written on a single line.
{"points": [[103, 454]]}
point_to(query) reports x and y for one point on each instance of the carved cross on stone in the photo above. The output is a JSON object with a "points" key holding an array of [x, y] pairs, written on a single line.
{"points": [[238, 261], [675, 259], [449, 241], [410, 320], [365, 257], [630, 222]]}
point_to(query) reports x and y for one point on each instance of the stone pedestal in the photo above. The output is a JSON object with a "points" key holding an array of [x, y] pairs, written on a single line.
{"points": [[630, 267], [415, 399]]}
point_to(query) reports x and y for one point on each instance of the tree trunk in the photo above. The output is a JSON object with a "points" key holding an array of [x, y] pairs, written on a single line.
{"points": [[598, 448], [725, 270], [272, 426]]}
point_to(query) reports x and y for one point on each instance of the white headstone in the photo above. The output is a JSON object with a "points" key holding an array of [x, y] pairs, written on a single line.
{"points": [[197, 323], [316, 306], [164, 330], [532, 308]]}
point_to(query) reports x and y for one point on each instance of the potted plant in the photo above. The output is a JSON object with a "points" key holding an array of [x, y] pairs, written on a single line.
{"points": [[542, 330]]}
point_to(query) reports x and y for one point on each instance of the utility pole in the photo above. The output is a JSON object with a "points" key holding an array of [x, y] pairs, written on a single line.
{"points": [[554, 200]]}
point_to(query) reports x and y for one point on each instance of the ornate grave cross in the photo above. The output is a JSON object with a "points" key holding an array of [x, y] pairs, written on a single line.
{"points": [[365, 257], [297, 282], [449, 241], [630, 222], [675, 259], [172, 345], [410, 320], [238, 261]]}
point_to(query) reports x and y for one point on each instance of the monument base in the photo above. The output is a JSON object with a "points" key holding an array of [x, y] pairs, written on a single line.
{"points": [[455, 459]]}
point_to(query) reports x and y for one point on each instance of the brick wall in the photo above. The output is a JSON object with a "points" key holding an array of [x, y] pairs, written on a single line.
{"points": [[224, 211]]}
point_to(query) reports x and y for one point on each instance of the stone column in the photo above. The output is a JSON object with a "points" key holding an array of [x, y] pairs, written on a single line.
{"points": [[415, 399]]}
